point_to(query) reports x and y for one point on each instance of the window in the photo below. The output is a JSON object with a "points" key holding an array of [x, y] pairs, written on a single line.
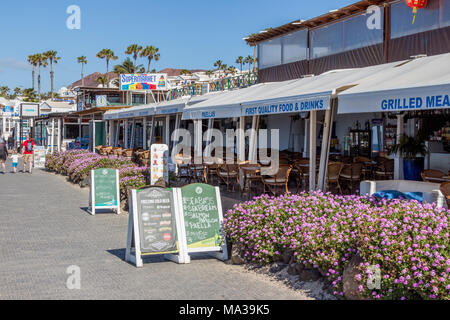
{"points": [[269, 53], [295, 46], [429, 18], [71, 131], [349, 34]]}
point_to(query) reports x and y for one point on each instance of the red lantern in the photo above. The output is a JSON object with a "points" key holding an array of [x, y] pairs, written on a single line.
{"points": [[416, 4]]}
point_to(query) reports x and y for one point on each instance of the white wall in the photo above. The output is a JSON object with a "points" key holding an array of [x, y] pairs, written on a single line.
{"points": [[283, 123]]}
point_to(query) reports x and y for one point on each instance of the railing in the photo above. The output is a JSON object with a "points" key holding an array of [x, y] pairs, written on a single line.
{"points": [[230, 83]]}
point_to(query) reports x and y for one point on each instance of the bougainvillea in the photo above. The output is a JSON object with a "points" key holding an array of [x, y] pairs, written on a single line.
{"points": [[407, 241]]}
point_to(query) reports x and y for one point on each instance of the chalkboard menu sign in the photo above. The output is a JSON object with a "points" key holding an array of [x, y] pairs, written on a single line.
{"points": [[157, 222], [104, 190], [175, 222], [202, 216]]}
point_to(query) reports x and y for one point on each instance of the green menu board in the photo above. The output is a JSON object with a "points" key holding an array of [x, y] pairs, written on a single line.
{"points": [[201, 216], [105, 188]]}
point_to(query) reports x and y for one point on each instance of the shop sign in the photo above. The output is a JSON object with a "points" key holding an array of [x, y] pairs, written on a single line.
{"points": [[304, 105], [143, 81]]}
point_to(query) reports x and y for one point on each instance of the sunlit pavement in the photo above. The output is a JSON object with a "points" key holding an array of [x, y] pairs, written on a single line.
{"points": [[44, 229]]}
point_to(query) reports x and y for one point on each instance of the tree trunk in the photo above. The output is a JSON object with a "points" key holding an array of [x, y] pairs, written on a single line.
{"points": [[39, 84], [148, 69], [82, 77], [51, 80], [107, 71], [32, 74]]}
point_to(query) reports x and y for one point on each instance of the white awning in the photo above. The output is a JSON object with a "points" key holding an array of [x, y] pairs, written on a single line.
{"points": [[418, 84], [162, 108], [293, 96]]}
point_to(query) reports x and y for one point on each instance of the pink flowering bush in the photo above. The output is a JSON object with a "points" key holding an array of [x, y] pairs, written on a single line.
{"points": [[326, 231], [77, 164]]}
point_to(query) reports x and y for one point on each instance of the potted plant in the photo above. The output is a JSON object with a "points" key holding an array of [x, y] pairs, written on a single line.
{"points": [[409, 148]]}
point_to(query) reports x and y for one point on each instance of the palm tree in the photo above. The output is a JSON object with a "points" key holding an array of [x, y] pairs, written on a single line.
{"points": [[134, 50], [127, 67], [151, 53], [224, 67], [83, 61], [32, 60], [107, 54], [52, 58], [240, 60], [103, 80], [249, 60], [231, 70], [218, 64], [41, 60], [29, 94], [4, 91], [209, 73]]}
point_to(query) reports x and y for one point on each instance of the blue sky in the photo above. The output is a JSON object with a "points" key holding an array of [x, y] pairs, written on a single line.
{"points": [[189, 34]]}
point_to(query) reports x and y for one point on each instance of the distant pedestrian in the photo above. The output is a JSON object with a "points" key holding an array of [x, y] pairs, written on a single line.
{"points": [[15, 160], [3, 153], [11, 142], [28, 154]]}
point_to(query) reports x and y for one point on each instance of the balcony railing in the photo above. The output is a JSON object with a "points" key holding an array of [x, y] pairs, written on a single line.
{"points": [[229, 83]]}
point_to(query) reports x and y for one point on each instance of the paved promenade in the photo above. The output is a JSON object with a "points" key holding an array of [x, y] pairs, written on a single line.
{"points": [[44, 230]]}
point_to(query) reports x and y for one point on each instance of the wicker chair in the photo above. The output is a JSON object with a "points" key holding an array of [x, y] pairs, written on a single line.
{"points": [[366, 172], [385, 170], [350, 174], [445, 189], [228, 174], [431, 174], [301, 169], [280, 179], [333, 174], [250, 177]]}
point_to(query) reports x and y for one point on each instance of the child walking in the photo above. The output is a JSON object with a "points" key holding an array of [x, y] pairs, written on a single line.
{"points": [[15, 160]]}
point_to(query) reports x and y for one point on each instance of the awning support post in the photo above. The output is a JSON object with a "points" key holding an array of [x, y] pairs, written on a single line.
{"points": [[398, 160], [144, 133], [59, 135], [325, 152], [241, 148], [253, 139], [167, 131], [198, 139], [125, 133], [305, 141], [312, 150]]}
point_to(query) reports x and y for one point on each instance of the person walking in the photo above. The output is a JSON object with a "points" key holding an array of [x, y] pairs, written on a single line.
{"points": [[15, 160], [3, 153], [28, 154], [10, 142]]}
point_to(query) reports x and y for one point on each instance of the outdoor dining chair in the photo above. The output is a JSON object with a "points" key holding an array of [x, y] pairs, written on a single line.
{"points": [[183, 164], [445, 189], [228, 174], [279, 180], [301, 172], [251, 174], [385, 170], [350, 174], [333, 173], [428, 175]]}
